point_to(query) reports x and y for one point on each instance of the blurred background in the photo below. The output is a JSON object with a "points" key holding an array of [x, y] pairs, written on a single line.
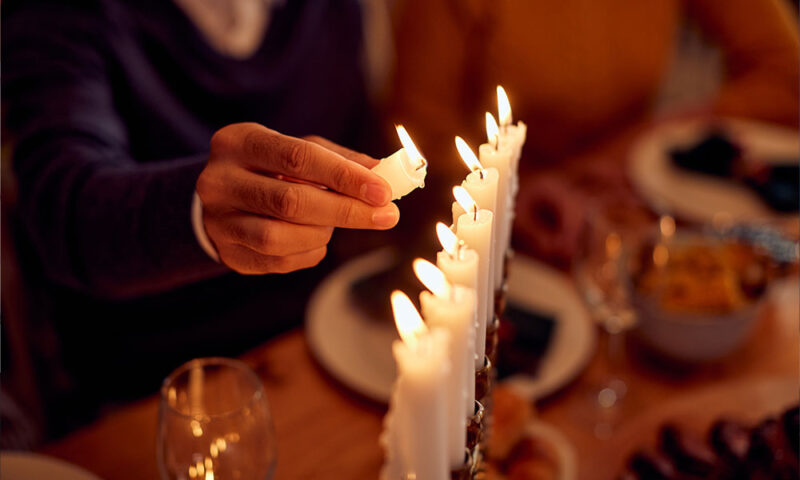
{"points": [[590, 79]]}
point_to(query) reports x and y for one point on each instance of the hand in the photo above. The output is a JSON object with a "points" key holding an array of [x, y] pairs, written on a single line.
{"points": [[270, 201]]}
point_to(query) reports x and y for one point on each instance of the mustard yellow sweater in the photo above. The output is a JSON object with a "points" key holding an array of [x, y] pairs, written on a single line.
{"points": [[577, 71]]}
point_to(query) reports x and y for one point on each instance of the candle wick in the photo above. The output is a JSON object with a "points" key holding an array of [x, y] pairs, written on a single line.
{"points": [[480, 172], [421, 165], [475, 215]]}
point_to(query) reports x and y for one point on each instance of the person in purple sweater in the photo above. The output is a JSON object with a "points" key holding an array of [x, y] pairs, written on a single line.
{"points": [[144, 132]]}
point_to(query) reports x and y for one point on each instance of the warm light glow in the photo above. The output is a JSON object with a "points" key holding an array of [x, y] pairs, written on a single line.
{"points": [[447, 238], [197, 430], [613, 245], [492, 130], [433, 278], [468, 155], [503, 106], [411, 150], [464, 199], [667, 226], [406, 317]]}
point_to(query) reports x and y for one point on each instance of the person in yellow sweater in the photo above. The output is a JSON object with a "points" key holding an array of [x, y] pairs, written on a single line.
{"points": [[580, 73]]}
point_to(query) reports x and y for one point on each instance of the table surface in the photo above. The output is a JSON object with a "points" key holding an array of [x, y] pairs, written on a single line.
{"points": [[325, 431]]}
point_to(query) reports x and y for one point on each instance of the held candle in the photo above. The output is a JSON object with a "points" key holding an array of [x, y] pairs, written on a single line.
{"points": [[405, 169], [452, 308]]}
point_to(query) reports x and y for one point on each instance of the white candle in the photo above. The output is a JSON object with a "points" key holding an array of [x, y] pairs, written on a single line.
{"points": [[494, 155], [405, 169], [452, 308], [460, 266], [511, 135], [420, 412], [475, 228]]}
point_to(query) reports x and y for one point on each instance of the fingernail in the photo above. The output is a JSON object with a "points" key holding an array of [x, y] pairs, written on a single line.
{"points": [[386, 217], [375, 193]]}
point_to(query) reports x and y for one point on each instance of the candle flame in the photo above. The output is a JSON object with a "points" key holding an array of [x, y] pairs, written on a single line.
{"points": [[406, 317], [447, 238], [492, 130], [503, 106], [411, 150], [464, 199], [433, 278], [468, 155]]}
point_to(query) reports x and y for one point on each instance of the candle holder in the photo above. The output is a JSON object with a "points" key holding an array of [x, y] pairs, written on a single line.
{"points": [[492, 339], [501, 299], [483, 380], [475, 426], [466, 470]]}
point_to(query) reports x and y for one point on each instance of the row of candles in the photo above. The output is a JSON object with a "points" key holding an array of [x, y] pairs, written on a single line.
{"points": [[433, 397]]}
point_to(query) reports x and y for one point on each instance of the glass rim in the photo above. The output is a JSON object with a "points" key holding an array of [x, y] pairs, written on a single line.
{"points": [[203, 362]]}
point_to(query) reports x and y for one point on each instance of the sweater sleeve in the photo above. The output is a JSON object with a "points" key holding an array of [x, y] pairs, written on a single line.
{"points": [[100, 221], [759, 40]]}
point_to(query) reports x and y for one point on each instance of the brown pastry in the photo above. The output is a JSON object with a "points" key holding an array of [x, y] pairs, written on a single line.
{"points": [[510, 415]]}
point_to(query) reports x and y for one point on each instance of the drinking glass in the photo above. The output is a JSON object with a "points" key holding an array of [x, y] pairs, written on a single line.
{"points": [[611, 231], [214, 423]]}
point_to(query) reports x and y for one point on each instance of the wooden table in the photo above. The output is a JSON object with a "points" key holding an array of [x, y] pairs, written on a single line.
{"points": [[324, 431]]}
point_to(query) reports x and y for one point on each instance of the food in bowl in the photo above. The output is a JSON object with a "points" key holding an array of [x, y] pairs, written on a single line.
{"points": [[696, 295], [702, 276]]}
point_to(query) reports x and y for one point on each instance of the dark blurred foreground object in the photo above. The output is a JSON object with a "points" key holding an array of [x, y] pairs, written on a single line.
{"points": [[776, 181], [731, 452]]}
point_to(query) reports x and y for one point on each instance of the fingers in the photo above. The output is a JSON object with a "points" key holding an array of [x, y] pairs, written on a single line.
{"points": [[249, 262], [306, 204], [266, 150], [265, 235], [351, 155]]}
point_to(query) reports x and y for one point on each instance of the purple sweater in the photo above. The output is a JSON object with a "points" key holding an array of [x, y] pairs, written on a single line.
{"points": [[110, 106]]}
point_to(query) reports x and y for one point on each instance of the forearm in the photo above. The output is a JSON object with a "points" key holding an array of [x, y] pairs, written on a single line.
{"points": [[115, 230]]}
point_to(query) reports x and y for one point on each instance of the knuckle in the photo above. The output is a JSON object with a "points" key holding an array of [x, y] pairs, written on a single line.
{"points": [[296, 159], [344, 179], [288, 202], [347, 213], [255, 144]]}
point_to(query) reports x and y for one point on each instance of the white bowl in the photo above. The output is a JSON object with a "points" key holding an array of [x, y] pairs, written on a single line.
{"points": [[694, 337]]}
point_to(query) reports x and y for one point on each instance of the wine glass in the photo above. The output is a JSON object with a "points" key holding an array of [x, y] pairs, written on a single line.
{"points": [[215, 423], [612, 229]]}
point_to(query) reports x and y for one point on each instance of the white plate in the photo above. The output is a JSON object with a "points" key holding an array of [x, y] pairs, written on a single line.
{"points": [[565, 453], [32, 466], [697, 197], [357, 350]]}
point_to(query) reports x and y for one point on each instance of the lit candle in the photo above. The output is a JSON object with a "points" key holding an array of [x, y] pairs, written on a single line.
{"points": [[452, 308], [417, 442], [405, 169], [511, 135], [499, 156], [475, 228], [460, 266], [481, 183]]}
